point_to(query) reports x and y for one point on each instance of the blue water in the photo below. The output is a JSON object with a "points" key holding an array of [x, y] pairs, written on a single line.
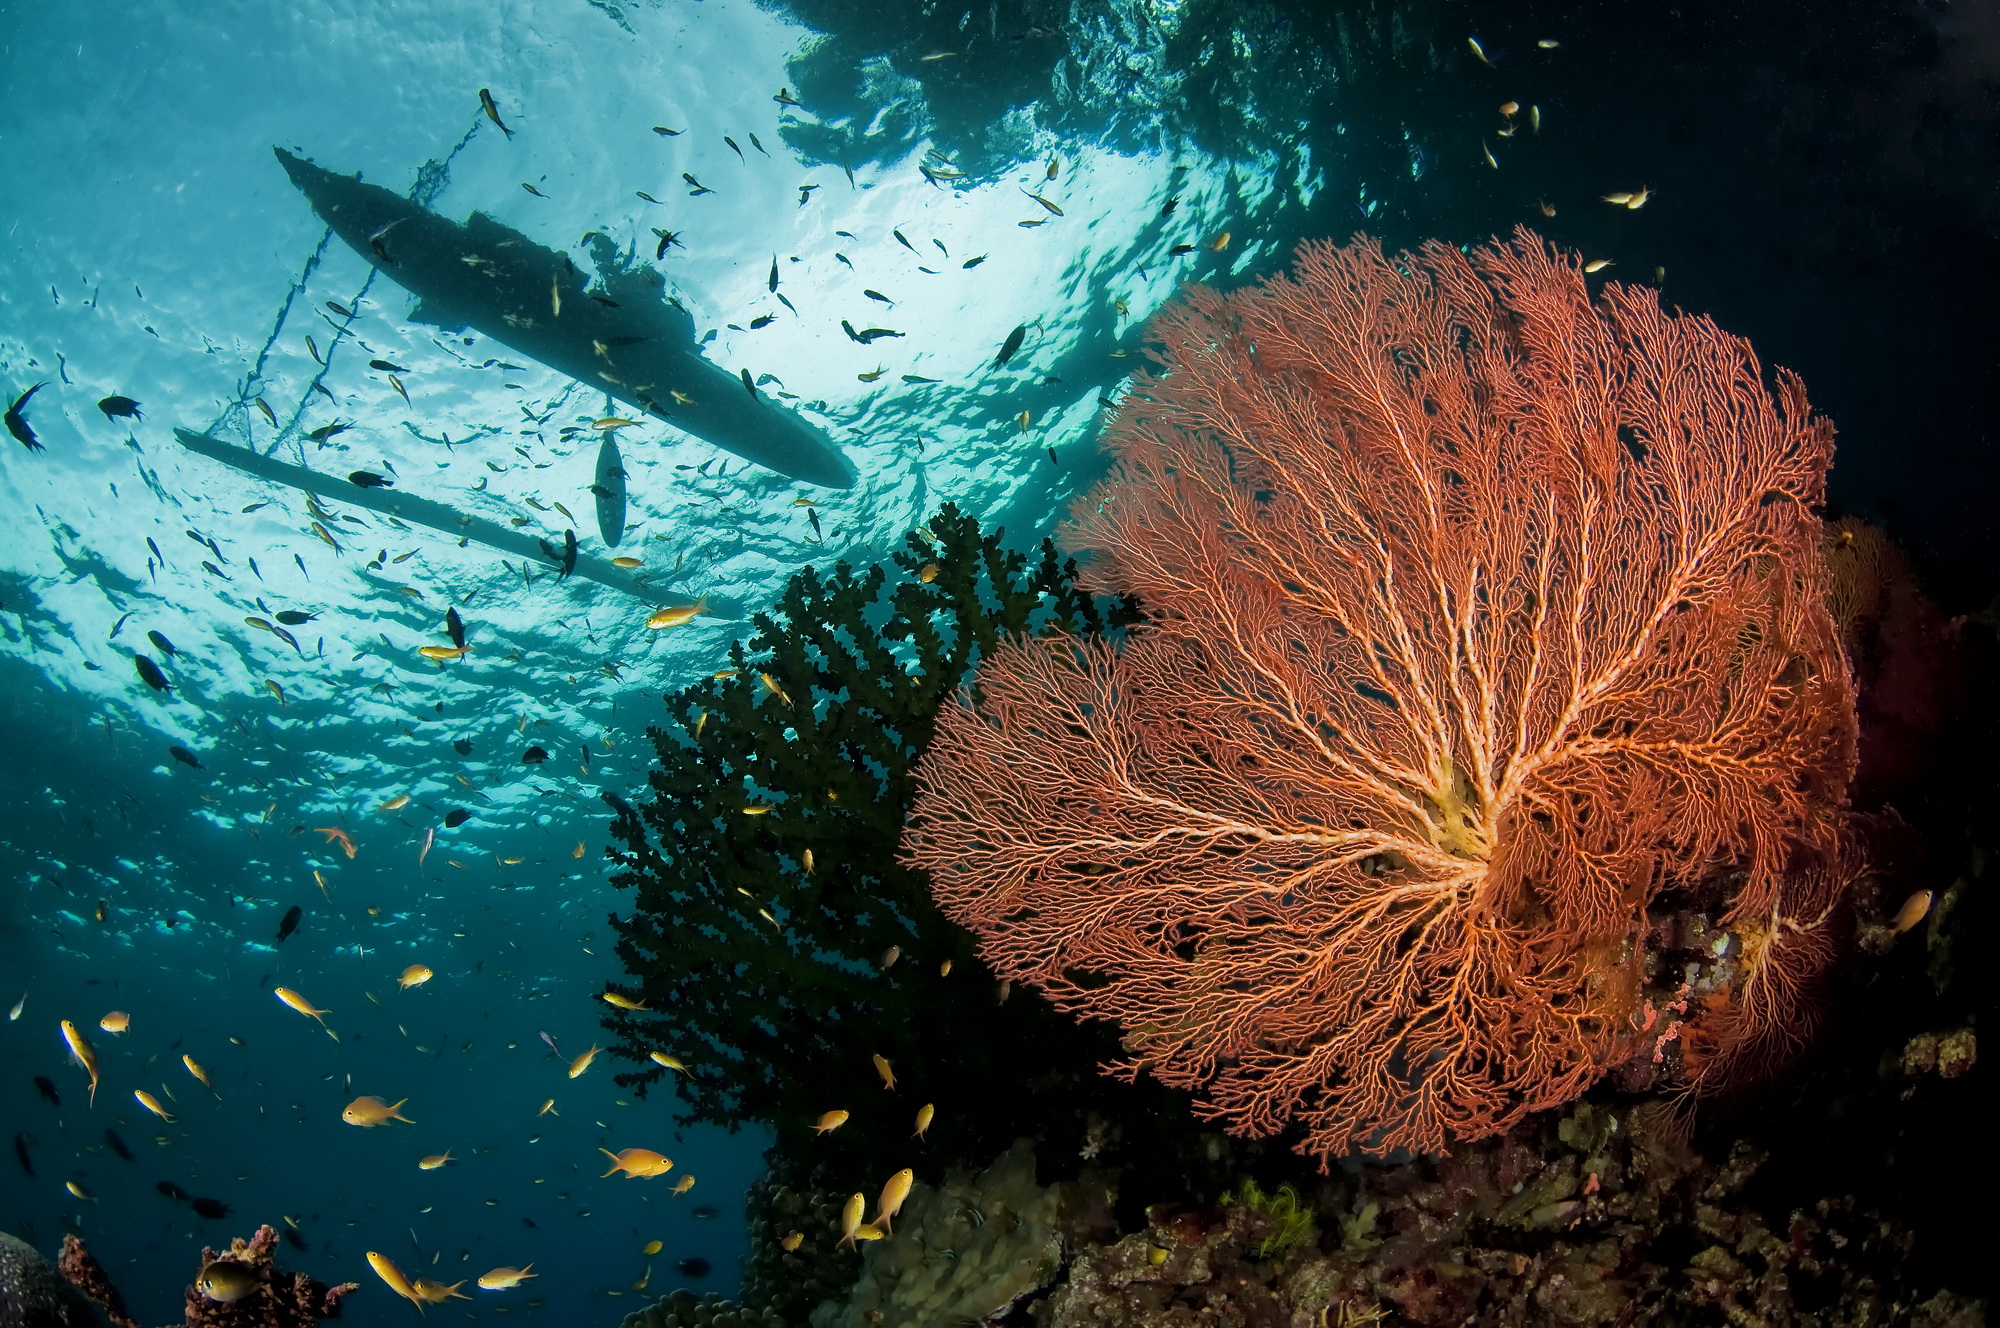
{"points": [[154, 249], [153, 258]]}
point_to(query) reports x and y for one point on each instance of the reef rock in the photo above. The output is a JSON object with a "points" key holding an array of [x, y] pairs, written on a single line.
{"points": [[973, 1247]]}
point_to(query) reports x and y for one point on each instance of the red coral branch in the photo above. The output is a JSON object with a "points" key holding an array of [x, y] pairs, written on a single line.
{"points": [[1478, 616]]}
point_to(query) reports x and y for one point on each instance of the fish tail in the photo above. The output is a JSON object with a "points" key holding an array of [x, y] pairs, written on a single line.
{"points": [[616, 1165]]}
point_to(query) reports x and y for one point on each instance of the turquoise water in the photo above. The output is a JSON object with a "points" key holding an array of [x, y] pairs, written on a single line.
{"points": [[156, 250]]}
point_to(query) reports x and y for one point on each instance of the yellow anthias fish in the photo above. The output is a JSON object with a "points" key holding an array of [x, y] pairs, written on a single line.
{"points": [[621, 1001], [416, 975], [652, 1247], [684, 1184], [637, 1163], [680, 616], [499, 1279], [201, 1075], [850, 1217], [832, 1120], [792, 1241], [627, 563], [924, 1114], [882, 1068], [670, 1062], [444, 652], [434, 1161], [386, 1269], [397, 803], [152, 1104], [549, 1109], [304, 1007], [77, 1189], [226, 1281], [437, 1292], [894, 1191], [370, 1111], [115, 1022], [582, 1063], [85, 1057]]}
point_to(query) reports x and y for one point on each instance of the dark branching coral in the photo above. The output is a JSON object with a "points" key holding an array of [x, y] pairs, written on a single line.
{"points": [[776, 943]]}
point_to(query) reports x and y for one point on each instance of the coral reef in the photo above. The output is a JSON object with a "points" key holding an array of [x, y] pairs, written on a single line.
{"points": [[775, 943], [1599, 1217], [1482, 618], [276, 1299]]}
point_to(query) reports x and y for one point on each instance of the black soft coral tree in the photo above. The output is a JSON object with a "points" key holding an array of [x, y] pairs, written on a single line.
{"points": [[776, 944]]}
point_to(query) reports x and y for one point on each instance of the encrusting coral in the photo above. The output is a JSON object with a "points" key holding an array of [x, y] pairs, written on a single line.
{"points": [[1482, 617]]}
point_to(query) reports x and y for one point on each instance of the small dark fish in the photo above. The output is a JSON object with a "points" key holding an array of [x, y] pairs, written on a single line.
{"points": [[294, 1239], [917, 378], [463, 746], [294, 617], [21, 1154], [171, 1190], [119, 408], [692, 1268], [528, 1222], [732, 145], [668, 239], [454, 627], [456, 817], [150, 674], [845, 259], [1012, 344], [184, 756], [669, 133], [878, 295], [290, 922], [707, 1210], [166, 647], [813, 517], [973, 262], [762, 321], [696, 187], [17, 423], [870, 334], [213, 1209], [1052, 459], [1167, 209], [534, 756], [940, 244], [118, 1145], [321, 388], [900, 239], [568, 555], [339, 309], [386, 366], [47, 1088], [755, 144], [772, 280], [648, 197], [806, 193], [1180, 249], [368, 479], [531, 189], [287, 638], [381, 251], [492, 111], [749, 386], [326, 431]]}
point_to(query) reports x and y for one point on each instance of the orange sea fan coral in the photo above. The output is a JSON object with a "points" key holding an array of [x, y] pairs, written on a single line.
{"points": [[1479, 616]]}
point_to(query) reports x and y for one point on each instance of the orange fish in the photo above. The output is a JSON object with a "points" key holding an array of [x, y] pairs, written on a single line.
{"points": [[334, 834]]}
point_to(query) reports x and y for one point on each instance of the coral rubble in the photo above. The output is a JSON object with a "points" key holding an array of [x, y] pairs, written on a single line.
{"points": [[276, 1300]]}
